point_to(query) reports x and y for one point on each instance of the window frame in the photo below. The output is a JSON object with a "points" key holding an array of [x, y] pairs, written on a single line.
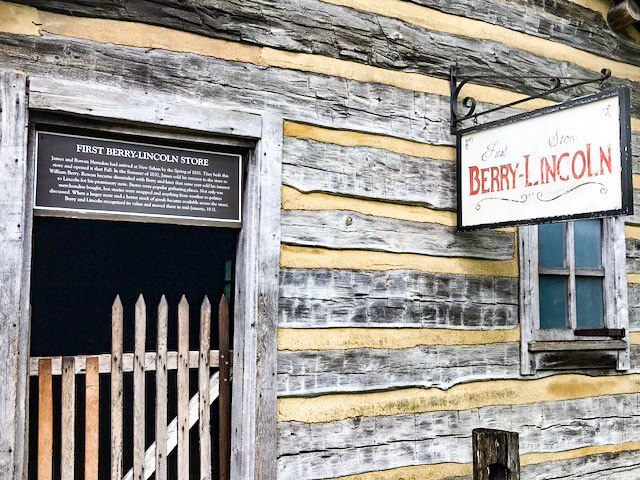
{"points": [[615, 303]]}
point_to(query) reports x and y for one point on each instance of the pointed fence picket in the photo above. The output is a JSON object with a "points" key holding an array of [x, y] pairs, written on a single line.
{"points": [[150, 459]]}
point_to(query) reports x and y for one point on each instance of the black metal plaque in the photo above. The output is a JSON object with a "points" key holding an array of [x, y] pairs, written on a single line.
{"points": [[87, 175]]}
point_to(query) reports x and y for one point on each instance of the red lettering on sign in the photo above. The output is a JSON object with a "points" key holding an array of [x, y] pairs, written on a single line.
{"points": [[565, 178], [526, 173], [495, 179], [573, 164], [474, 181], [550, 169], [605, 159]]}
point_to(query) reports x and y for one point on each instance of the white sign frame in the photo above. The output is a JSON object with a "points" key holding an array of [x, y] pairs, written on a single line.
{"points": [[618, 190]]}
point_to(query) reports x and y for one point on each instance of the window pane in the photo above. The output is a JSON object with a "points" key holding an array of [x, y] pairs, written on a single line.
{"points": [[589, 302], [553, 301], [587, 242], [551, 245]]}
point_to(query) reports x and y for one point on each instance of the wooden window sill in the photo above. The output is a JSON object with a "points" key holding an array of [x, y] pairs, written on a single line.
{"points": [[574, 345]]}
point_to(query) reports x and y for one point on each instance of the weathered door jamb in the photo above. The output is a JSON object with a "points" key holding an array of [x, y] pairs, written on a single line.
{"points": [[253, 451]]}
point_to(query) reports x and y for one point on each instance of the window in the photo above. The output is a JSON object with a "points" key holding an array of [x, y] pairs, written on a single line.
{"points": [[573, 295]]}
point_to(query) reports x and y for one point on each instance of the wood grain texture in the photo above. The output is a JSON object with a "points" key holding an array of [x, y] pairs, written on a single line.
{"points": [[68, 419], [634, 306], [360, 36], [561, 21], [139, 398], [58, 74], [318, 450], [161, 391], [224, 404], [104, 362], [92, 420], [351, 230], [172, 431], [365, 172], [635, 218], [15, 255], [45, 421], [116, 389], [395, 298], [183, 390], [612, 466], [204, 405], [309, 373]]}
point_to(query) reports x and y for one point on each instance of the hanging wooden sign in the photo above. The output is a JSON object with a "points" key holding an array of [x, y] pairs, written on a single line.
{"points": [[98, 177], [567, 161]]}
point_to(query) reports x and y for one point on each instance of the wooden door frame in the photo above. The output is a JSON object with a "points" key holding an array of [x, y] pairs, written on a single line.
{"points": [[254, 428]]}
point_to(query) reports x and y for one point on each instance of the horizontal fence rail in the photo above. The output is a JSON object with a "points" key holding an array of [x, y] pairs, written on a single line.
{"points": [[169, 435]]}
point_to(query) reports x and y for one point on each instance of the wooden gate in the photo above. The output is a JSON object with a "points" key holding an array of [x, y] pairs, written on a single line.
{"points": [[152, 458]]}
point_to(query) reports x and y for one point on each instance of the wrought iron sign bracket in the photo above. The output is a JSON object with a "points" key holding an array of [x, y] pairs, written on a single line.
{"points": [[457, 82]]}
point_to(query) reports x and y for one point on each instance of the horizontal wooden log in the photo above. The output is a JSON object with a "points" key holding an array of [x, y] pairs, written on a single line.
{"points": [[610, 466], [633, 255], [633, 291], [57, 67], [370, 38], [635, 218], [395, 298], [104, 362], [351, 230], [364, 172], [308, 373], [333, 449], [617, 465], [562, 21]]}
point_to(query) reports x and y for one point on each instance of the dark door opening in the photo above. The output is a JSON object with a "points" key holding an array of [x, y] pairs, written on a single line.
{"points": [[78, 268]]}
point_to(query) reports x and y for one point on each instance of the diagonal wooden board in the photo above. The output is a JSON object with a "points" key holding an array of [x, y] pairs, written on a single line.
{"points": [[172, 430]]}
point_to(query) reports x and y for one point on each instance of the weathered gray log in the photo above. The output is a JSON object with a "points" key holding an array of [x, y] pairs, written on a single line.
{"points": [[351, 230], [311, 26], [396, 298], [612, 466], [634, 306], [635, 152], [307, 373], [368, 173], [319, 450], [561, 21], [58, 66], [633, 255], [635, 218], [15, 256]]}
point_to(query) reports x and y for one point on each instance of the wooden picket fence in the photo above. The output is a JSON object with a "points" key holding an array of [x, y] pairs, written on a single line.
{"points": [[168, 436]]}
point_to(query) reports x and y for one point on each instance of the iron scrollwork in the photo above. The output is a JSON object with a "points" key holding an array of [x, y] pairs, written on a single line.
{"points": [[469, 103]]}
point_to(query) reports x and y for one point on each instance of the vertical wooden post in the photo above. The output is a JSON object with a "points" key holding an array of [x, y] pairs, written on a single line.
{"points": [[161, 391], [116, 390], [204, 407], [92, 419], [45, 421], [139, 389], [15, 260], [495, 455], [183, 389], [225, 388], [68, 417]]}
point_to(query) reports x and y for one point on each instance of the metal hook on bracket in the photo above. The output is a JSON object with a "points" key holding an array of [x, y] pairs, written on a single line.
{"points": [[470, 103]]}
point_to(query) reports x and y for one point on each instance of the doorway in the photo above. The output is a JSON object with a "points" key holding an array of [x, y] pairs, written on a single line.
{"points": [[78, 268]]}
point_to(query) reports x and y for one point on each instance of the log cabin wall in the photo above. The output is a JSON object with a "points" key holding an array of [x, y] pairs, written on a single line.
{"points": [[397, 335]]}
